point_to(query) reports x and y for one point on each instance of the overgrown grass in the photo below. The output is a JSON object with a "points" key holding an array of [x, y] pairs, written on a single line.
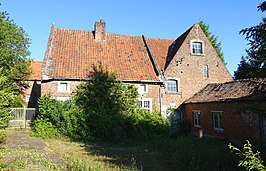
{"points": [[24, 158], [78, 157], [183, 153]]}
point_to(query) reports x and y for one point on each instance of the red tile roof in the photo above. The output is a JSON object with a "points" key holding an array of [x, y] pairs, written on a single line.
{"points": [[246, 89], [73, 53], [36, 67]]}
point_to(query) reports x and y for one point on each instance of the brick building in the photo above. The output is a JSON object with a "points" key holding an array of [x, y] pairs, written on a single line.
{"points": [[166, 71], [33, 92], [235, 110]]}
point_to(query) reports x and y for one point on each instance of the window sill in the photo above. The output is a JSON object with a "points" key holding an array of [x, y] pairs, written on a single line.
{"points": [[64, 92], [220, 130], [197, 126], [195, 54], [172, 92]]}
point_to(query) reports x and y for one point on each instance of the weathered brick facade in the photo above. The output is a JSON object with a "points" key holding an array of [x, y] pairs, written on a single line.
{"points": [[241, 120], [235, 110], [154, 62]]}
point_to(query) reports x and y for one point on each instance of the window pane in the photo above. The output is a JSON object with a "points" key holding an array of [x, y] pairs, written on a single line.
{"points": [[197, 47], [171, 85], [146, 104], [140, 103], [217, 116], [62, 87], [206, 71], [196, 115]]}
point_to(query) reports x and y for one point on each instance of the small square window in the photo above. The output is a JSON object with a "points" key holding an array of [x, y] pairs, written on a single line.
{"points": [[172, 86], [197, 48], [145, 103], [142, 88], [63, 87]]}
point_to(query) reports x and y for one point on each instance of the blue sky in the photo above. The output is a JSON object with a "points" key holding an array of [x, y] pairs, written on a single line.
{"points": [[152, 18]]}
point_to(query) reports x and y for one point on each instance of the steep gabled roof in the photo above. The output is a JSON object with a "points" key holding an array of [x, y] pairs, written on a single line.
{"points": [[246, 89], [72, 54], [159, 49], [36, 68], [163, 50]]}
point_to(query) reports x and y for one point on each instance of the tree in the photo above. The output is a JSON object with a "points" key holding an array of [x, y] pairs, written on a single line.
{"points": [[6, 97], [14, 43], [254, 65], [213, 39], [106, 103]]}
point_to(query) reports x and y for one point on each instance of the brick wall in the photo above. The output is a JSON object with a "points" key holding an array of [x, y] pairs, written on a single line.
{"points": [[240, 120], [189, 68], [52, 87]]}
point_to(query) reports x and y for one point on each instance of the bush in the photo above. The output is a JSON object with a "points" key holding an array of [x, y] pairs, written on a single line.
{"points": [[64, 117], [42, 127], [111, 110], [250, 159]]}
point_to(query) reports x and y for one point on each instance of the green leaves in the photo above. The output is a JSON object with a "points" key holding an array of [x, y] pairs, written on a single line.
{"points": [[250, 159], [14, 43], [255, 61], [213, 39]]}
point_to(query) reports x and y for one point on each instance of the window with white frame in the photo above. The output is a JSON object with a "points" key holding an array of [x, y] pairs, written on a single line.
{"points": [[142, 88], [217, 120], [145, 103], [172, 85], [206, 71], [197, 47], [196, 118], [63, 87]]}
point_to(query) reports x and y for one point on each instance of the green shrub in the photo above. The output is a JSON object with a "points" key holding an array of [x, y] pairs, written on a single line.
{"points": [[250, 160], [65, 117], [42, 127], [111, 110]]}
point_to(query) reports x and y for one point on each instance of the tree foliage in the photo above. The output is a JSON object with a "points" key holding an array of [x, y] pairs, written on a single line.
{"points": [[14, 43], [6, 97], [212, 38], [103, 108], [255, 62]]}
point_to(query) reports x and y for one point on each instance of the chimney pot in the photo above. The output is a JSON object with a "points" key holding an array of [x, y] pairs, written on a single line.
{"points": [[100, 30]]}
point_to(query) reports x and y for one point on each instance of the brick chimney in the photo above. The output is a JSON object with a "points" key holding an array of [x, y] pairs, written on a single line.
{"points": [[99, 30]]}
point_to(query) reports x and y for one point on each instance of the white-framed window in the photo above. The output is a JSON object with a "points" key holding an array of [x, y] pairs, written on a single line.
{"points": [[142, 88], [172, 85], [145, 103], [197, 47], [196, 118], [217, 120], [63, 87], [206, 71], [62, 99]]}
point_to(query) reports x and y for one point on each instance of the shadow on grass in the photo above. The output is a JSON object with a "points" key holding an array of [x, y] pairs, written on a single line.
{"points": [[164, 153]]}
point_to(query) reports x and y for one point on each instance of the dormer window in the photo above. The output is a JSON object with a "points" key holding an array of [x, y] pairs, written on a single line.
{"points": [[197, 47]]}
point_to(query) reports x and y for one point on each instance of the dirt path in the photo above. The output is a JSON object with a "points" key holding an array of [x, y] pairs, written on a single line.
{"points": [[22, 152]]}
